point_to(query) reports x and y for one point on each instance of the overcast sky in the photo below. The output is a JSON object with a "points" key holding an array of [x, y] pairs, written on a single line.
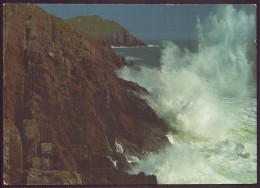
{"points": [[143, 21]]}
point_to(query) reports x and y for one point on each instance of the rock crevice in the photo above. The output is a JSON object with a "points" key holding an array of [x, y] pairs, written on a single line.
{"points": [[56, 106]]}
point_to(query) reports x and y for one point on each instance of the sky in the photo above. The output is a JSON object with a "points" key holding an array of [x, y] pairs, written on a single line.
{"points": [[146, 22]]}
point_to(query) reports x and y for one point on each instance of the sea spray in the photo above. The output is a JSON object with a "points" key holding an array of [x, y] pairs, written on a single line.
{"points": [[209, 97]]}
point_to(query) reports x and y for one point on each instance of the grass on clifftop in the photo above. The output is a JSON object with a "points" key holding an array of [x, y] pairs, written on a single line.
{"points": [[95, 25]]}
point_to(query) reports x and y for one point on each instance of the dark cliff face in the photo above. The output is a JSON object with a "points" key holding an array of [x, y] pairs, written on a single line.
{"points": [[67, 113], [105, 30]]}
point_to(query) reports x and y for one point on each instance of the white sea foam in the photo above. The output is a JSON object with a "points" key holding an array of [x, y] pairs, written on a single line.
{"points": [[127, 46], [119, 147], [131, 58], [153, 46], [209, 97], [113, 161], [131, 158]]}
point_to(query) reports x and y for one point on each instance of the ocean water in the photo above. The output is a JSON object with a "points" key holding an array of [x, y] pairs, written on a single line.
{"points": [[145, 56], [208, 94]]}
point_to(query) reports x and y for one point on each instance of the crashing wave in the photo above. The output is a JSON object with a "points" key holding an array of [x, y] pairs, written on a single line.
{"points": [[205, 96]]}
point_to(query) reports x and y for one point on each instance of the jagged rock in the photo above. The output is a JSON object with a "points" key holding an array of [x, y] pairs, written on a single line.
{"points": [[80, 152], [52, 177], [46, 148], [31, 129], [58, 105], [13, 154], [36, 162]]}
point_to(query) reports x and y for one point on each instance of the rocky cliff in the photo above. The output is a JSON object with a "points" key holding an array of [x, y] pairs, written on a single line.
{"points": [[68, 119], [104, 30]]}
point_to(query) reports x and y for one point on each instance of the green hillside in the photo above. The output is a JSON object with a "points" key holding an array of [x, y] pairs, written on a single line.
{"points": [[104, 30], [95, 25]]}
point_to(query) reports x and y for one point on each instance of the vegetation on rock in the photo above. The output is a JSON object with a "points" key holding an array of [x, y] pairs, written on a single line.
{"points": [[105, 30]]}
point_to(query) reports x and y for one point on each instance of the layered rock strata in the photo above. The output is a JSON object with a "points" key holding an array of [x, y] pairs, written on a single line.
{"points": [[68, 119]]}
